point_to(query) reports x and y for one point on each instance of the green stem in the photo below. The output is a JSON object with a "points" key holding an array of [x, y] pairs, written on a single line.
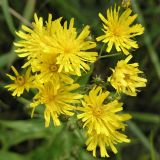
{"points": [[100, 53], [153, 156], [110, 55]]}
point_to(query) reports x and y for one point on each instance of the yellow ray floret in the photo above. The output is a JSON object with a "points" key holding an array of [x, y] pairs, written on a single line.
{"points": [[119, 30], [21, 82], [32, 42], [58, 99], [126, 79], [102, 120], [102, 141], [72, 49]]}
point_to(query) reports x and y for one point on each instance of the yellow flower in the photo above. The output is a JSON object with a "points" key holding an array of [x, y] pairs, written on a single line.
{"points": [[102, 141], [102, 121], [21, 82], [47, 69], [100, 116], [58, 99], [70, 48], [125, 77], [118, 30]]}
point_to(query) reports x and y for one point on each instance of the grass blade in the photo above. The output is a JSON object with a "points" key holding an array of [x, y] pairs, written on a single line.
{"points": [[147, 39], [138, 133], [146, 117], [29, 9], [8, 17]]}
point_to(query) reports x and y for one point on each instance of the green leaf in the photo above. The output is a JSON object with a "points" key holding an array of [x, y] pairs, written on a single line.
{"points": [[24, 130], [146, 117], [139, 134], [6, 58], [8, 17], [29, 9], [4, 155]]}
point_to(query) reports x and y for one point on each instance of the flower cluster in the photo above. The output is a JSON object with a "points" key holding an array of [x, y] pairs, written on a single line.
{"points": [[53, 54], [126, 78], [56, 55], [55, 47]]}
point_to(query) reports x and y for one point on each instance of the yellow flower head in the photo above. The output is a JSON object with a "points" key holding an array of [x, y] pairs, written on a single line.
{"points": [[102, 121], [69, 47], [125, 77], [58, 98], [47, 70], [118, 30], [100, 116], [102, 141], [21, 82]]}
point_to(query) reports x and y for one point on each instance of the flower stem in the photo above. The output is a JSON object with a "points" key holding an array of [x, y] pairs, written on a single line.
{"points": [[110, 55], [100, 53]]}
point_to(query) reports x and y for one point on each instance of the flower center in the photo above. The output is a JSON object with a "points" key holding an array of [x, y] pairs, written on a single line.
{"points": [[49, 99], [117, 31], [67, 49], [20, 80], [97, 112], [53, 68], [126, 77]]}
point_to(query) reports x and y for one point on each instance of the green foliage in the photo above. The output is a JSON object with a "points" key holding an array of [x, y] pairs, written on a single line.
{"points": [[22, 138]]}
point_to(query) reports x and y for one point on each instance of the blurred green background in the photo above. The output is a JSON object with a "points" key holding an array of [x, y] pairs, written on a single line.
{"points": [[23, 138]]}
